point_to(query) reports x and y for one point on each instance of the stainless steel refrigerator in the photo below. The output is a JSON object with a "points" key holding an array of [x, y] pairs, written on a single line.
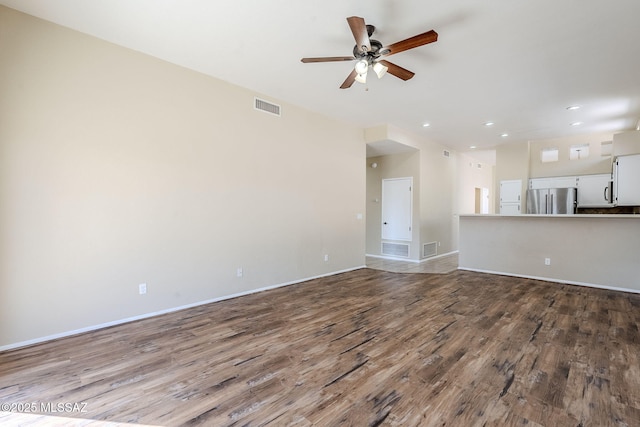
{"points": [[552, 201]]}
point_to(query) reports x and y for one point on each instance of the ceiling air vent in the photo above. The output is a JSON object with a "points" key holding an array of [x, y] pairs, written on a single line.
{"points": [[267, 107]]}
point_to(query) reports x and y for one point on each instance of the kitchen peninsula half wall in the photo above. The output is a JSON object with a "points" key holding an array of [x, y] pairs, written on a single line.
{"points": [[593, 250]]}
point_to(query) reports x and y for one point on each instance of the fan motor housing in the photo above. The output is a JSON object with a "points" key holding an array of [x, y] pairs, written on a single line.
{"points": [[374, 52]]}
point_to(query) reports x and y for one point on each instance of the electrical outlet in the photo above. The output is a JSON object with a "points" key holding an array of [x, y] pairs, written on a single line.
{"points": [[547, 261], [326, 257], [239, 272], [142, 288]]}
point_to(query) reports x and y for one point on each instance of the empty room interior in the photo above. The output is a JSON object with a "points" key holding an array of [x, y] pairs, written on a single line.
{"points": [[380, 213]]}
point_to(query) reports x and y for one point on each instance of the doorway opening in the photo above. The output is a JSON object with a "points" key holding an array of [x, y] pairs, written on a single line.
{"points": [[482, 200]]}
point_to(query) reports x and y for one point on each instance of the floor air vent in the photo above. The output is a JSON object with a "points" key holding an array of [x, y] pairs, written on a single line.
{"points": [[395, 249], [429, 249], [267, 107]]}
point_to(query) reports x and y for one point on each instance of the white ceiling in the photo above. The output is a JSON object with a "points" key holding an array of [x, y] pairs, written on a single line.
{"points": [[518, 63]]}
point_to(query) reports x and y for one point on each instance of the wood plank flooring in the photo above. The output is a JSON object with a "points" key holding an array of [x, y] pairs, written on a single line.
{"points": [[363, 348]]}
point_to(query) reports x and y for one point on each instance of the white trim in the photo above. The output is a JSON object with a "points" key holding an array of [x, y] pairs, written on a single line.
{"points": [[392, 258], [431, 258], [161, 312], [416, 261], [550, 279]]}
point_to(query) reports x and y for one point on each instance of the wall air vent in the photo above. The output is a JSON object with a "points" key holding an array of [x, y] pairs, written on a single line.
{"points": [[446, 153], [267, 107], [395, 249], [429, 249]]}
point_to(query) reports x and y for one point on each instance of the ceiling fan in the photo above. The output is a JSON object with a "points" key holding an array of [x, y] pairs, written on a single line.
{"points": [[370, 53]]}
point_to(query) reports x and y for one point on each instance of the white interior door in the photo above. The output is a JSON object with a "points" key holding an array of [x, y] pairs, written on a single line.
{"points": [[397, 202], [484, 204]]}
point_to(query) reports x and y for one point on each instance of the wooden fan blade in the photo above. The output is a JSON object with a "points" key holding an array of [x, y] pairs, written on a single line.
{"points": [[415, 41], [328, 59], [359, 30], [349, 80], [398, 71]]}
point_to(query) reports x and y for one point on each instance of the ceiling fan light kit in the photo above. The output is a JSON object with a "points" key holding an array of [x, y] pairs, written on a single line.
{"points": [[380, 69], [361, 66], [371, 53]]}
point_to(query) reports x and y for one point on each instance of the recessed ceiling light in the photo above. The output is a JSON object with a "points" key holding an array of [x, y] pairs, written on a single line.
{"points": [[426, 125], [489, 123], [504, 135], [472, 147], [576, 123], [573, 107]]}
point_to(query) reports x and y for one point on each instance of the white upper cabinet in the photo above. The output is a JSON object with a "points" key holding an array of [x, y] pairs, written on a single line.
{"points": [[538, 183], [553, 182], [626, 178], [594, 191]]}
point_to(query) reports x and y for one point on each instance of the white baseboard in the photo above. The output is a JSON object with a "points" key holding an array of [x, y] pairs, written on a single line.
{"points": [[393, 258], [165, 311], [551, 279], [416, 261], [438, 256]]}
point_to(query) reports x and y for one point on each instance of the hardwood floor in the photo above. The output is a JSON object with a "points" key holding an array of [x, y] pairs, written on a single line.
{"points": [[367, 347]]}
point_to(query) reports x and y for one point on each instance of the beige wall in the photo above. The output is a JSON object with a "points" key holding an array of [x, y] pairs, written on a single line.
{"points": [[602, 249], [443, 188], [435, 190], [625, 143], [473, 174], [595, 163], [118, 169], [402, 165], [512, 162], [438, 197]]}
